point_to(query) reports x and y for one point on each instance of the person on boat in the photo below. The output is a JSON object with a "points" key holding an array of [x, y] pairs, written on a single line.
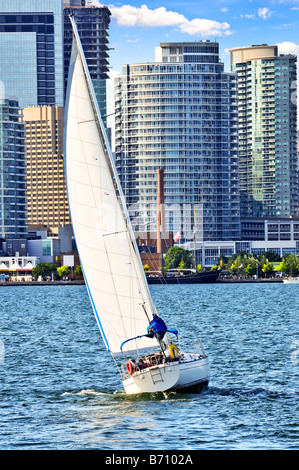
{"points": [[158, 328]]}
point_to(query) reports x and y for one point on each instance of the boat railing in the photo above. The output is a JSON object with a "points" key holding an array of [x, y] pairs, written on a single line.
{"points": [[149, 360], [123, 371], [198, 348]]}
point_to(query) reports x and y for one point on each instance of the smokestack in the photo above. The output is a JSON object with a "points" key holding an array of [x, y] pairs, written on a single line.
{"points": [[160, 208]]}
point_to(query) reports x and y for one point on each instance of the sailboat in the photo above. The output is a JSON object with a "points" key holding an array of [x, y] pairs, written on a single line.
{"points": [[291, 280], [146, 352]]}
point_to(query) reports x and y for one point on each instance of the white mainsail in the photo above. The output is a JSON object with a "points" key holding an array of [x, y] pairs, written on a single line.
{"points": [[107, 248]]}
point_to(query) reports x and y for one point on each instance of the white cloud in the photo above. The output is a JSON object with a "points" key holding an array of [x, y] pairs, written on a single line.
{"points": [[205, 28], [251, 17], [264, 13], [143, 16], [128, 15], [288, 47], [134, 40]]}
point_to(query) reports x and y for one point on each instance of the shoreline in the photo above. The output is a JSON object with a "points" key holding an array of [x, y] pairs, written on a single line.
{"points": [[82, 282], [42, 283], [249, 281]]}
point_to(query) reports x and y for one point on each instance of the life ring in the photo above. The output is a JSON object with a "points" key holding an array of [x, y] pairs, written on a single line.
{"points": [[173, 351], [129, 367]]}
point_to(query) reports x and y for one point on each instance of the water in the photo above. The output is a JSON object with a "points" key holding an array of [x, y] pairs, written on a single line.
{"points": [[59, 388]]}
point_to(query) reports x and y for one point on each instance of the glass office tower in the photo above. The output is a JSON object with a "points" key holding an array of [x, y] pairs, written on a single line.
{"points": [[92, 23], [267, 131], [12, 171], [31, 51], [179, 114], [31, 74]]}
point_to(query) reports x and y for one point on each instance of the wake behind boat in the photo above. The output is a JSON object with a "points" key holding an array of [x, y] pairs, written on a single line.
{"points": [[146, 352]]}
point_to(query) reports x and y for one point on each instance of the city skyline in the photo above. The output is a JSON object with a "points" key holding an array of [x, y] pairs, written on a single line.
{"points": [[138, 27]]}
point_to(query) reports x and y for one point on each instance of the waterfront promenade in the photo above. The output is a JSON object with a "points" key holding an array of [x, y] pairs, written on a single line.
{"points": [[81, 282], [42, 283]]}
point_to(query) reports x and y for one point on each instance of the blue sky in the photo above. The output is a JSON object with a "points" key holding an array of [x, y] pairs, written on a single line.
{"points": [[137, 27]]}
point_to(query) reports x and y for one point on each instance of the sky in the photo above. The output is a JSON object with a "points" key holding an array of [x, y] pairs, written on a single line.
{"points": [[137, 27]]}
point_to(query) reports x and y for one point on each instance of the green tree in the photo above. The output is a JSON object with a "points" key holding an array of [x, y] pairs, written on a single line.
{"points": [[215, 267], [63, 271], [267, 268], [233, 269], [292, 264], [182, 265], [44, 269], [78, 271], [283, 267], [272, 256], [250, 269], [175, 255]]}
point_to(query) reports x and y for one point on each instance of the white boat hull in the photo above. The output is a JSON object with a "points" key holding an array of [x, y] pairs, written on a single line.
{"points": [[294, 280], [192, 372]]}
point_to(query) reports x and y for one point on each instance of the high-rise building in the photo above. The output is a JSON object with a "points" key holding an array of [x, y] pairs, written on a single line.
{"points": [[92, 24], [31, 74], [46, 193], [31, 51], [12, 171], [179, 114], [267, 131]]}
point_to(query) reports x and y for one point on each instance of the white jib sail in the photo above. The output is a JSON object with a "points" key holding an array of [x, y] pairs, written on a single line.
{"points": [[111, 264]]}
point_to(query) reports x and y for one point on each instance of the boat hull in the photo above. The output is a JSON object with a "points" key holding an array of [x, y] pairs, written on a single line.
{"points": [[192, 373], [200, 278]]}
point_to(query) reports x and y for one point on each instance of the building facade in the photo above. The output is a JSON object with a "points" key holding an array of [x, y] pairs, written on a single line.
{"points": [[31, 51], [31, 74], [45, 180], [208, 253], [92, 24], [267, 131], [12, 171], [179, 114]]}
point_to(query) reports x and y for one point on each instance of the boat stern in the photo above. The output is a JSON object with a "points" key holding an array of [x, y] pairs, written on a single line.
{"points": [[159, 378]]}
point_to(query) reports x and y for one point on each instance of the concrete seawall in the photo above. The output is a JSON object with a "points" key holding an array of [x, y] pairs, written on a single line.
{"points": [[42, 283]]}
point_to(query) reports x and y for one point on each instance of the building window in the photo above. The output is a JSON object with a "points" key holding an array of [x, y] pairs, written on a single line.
{"points": [[46, 248]]}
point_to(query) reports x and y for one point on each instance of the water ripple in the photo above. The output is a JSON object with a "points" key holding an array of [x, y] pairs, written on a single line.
{"points": [[59, 388]]}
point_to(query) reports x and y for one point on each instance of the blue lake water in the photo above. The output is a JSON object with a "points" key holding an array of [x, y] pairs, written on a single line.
{"points": [[59, 388]]}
